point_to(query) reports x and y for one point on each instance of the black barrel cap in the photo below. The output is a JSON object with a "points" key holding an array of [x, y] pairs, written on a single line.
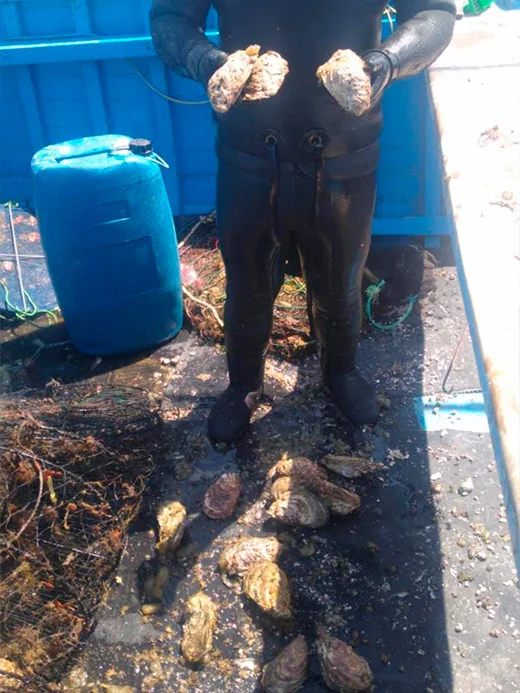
{"points": [[140, 146]]}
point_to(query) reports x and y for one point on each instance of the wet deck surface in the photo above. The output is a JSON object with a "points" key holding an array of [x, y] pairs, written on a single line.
{"points": [[422, 579]]}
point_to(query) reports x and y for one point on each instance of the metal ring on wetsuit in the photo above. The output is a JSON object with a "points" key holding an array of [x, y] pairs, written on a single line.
{"points": [[315, 140], [271, 137]]}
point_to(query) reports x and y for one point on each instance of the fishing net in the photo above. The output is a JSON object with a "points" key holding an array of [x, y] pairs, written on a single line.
{"points": [[73, 469], [204, 281]]}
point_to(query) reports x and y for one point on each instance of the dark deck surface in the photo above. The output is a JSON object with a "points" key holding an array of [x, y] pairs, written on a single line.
{"points": [[421, 579]]}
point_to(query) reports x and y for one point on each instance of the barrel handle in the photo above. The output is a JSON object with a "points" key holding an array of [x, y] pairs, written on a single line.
{"points": [[124, 148]]}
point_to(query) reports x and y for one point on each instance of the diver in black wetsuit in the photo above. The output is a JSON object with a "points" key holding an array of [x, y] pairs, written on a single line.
{"points": [[297, 170]]}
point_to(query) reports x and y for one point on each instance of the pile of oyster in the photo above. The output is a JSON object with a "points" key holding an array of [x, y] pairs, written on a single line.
{"points": [[297, 492], [303, 496]]}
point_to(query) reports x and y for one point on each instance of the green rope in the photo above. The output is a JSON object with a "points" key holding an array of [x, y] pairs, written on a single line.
{"points": [[373, 292], [24, 315]]}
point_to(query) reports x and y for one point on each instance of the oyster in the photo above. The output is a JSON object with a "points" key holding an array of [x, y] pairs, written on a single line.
{"points": [[343, 670], [283, 485], [350, 467], [199, 626], [337, 499], [221, 498], [268, 586], [345, 77], [288, 671], [226, 85], [267, 78], [300, 509], [154, 586], [172, 522], [244, 553], [302, 470]]}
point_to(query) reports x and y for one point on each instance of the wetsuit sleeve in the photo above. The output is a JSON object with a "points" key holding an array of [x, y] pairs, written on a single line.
{"points": [[177, 28], [424, 31]]}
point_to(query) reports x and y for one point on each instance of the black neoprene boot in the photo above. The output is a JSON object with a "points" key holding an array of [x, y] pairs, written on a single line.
{"points": [[232, 413], [354, 397]]}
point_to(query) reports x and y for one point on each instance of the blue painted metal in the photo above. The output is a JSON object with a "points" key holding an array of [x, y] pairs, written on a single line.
{"points": [[107, 231], [68, 70], [460, 411]]}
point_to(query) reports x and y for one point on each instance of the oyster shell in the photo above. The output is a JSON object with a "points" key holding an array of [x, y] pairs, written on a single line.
{"points": [[345, 77], [283, 485], [300, 509], [300, 469], [268, 586], [172, 522], [244, 553], [350, 467], [267, 77], [199, 627], [288, 671], [337, 499], [343, 670], [222, 496], [154, 586], [226, 85]]}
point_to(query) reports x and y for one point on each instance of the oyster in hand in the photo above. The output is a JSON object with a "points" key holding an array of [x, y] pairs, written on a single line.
{"points": [[267, 78], [346, 78], [351, 467], [228, 82], [268, 587], [337, 499], [243, 554], [199, 627], [171, 518], [343, 670], [300, 508], [288, 671], [221, 498]]}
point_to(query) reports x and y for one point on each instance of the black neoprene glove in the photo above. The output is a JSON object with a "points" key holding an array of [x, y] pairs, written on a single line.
{"points": [[383, 70]]}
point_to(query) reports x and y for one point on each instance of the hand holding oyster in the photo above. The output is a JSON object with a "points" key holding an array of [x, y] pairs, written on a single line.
{"points": [[347, 80], [267, 77], [247, 76]]}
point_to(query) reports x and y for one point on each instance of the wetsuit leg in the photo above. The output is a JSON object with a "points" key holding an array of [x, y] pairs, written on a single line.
{"points": [[334, 251], [251, 248]]}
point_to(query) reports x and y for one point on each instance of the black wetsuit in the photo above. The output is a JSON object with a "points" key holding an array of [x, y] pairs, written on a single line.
{"points": [[297, 169]]}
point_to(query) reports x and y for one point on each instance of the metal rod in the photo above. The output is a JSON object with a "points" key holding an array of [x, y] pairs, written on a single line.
{"points": [[23, 257], [17, 257]]}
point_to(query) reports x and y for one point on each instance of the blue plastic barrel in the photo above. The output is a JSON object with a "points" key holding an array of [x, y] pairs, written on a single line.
{"points": [[109, 237]]}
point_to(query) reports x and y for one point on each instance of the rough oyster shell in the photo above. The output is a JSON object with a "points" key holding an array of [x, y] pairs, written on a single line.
{"points": [[267, 77], [343, 670], [244, 553], [346, 79], [351, 467], [288, 671], [221, 498], [199, 627], [268, 586], [302, 470], [226, 85], [171, 518], [300, 509], [337, 499], [283, 485]]}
